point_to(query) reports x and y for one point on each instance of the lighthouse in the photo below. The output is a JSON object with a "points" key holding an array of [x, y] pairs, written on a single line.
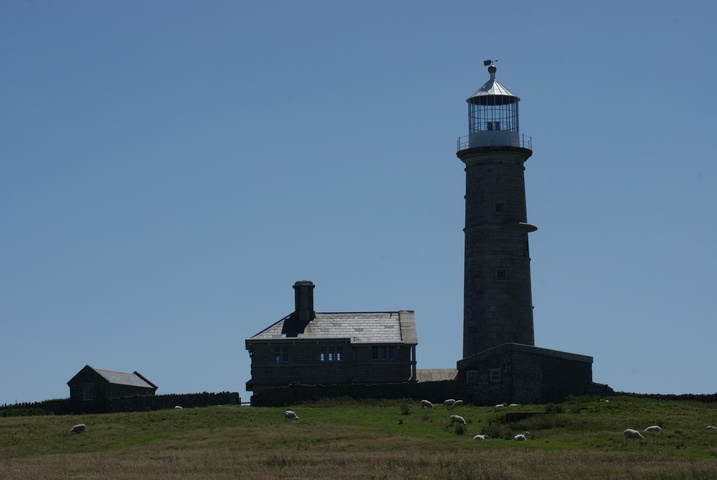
{"points": [[500, 360], [498, 307]]}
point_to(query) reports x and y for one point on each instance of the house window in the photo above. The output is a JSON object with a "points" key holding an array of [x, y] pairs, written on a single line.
{"points": [[472, 377], [501, 274], [87, 394], [331, 354], [281, 354], [495, 375], [383, 353]]}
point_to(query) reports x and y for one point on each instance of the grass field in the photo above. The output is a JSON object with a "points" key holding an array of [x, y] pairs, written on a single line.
{"points": [[343, 439]]}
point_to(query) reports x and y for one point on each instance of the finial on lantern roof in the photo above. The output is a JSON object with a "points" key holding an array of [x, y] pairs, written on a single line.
{"points": [[491, 67]]}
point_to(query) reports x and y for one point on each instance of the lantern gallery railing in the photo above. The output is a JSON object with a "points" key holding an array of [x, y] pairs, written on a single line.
{"points": [[516, 140]]}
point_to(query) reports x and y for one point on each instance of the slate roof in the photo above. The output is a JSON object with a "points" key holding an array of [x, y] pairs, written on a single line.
{"points": [[358, 327], [122, 378], [436, 374]]}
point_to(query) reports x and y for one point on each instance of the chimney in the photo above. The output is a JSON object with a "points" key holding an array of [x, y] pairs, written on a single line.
{"points": [[304, 301]]}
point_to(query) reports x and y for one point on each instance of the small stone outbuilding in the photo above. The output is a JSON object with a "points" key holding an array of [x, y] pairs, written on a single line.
{"points": [[308, 347], [92, 388], [516, 373]]}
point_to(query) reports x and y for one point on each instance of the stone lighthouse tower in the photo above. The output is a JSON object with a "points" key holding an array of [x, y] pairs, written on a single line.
{"points": [[498, 307], [500, 360]]}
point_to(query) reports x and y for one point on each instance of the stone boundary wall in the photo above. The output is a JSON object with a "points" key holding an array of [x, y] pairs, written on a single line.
{"points": [[436, 392], [158, 402], [295, 394], [132, 404], [696, 397], [57, 406]]}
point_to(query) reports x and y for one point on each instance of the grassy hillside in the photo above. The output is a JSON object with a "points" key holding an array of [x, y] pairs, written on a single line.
{"points": [[382, 440]]}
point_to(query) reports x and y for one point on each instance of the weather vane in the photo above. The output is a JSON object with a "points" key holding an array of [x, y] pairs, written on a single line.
{"points": [[489, 62]]}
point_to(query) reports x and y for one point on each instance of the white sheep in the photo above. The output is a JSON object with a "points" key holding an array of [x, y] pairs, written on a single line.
{"points": [[514, 405], [457, 419], [78, 428], [501, 405], [521, 437], [426, 403], [177, 407], [630, 433], [481, 438], [458, 403], [710, 427], [289, 415], [449, 403], [654, 429]]}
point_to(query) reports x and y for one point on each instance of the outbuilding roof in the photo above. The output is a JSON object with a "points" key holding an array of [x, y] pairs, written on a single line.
{"points": [[358, 327], [134, 379], [122, 378]]}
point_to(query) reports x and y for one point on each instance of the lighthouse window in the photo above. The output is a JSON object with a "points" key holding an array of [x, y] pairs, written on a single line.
{"points": [[493, 125], [501, 274], [500, 207]]}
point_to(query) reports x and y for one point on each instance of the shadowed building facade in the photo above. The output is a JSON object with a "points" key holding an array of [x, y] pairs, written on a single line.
{"points": [[315, 348]]}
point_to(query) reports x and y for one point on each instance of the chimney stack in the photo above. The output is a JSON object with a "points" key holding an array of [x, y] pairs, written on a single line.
{"points": [[304, 301]]}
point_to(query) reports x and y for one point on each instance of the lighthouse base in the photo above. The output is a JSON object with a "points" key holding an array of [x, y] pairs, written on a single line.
{"points": [[516, 373]]}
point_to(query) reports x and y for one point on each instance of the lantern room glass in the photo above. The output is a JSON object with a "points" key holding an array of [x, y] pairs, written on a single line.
{"points": [[493, 112]]}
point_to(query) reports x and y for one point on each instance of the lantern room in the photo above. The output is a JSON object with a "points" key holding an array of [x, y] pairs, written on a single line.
{"points": [[493, 116]]}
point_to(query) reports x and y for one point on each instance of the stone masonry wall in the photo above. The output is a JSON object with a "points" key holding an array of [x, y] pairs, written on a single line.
{"points": [[296, 394], [65, 406]]}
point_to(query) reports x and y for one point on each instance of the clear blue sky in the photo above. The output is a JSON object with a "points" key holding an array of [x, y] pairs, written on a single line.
{"points": [[170, 168]]}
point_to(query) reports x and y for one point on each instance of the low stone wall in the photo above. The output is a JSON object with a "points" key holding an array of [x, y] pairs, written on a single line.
{"points": [[158, 402], [58, 406], [138, 403], [297, 393], [704, 398]]}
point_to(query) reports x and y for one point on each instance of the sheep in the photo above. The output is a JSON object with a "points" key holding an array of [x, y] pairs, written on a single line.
{"points": [[630, 433], [710, 427], [481, 438], [289, 415], [654, 429], [426, 403], [458, 403], [501, 405], [457, 419], [514, 405], [177, 407], [78, 428], [449, 403], [521, 437]]}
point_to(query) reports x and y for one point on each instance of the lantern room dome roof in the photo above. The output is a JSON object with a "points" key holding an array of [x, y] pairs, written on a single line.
{"points": [[492, 87]]}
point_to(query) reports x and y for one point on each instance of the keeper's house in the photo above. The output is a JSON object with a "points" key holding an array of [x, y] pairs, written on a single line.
{"points": [[309, 347]]}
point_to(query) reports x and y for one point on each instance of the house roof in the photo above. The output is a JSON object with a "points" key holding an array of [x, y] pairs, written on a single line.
{"points": [[358, 327]]}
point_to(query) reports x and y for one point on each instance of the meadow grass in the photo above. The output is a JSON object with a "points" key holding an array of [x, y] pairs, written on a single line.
{"points": [[343, 439]]}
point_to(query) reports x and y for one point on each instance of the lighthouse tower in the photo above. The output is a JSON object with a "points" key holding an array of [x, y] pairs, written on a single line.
{"points": [[498, 307]]}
